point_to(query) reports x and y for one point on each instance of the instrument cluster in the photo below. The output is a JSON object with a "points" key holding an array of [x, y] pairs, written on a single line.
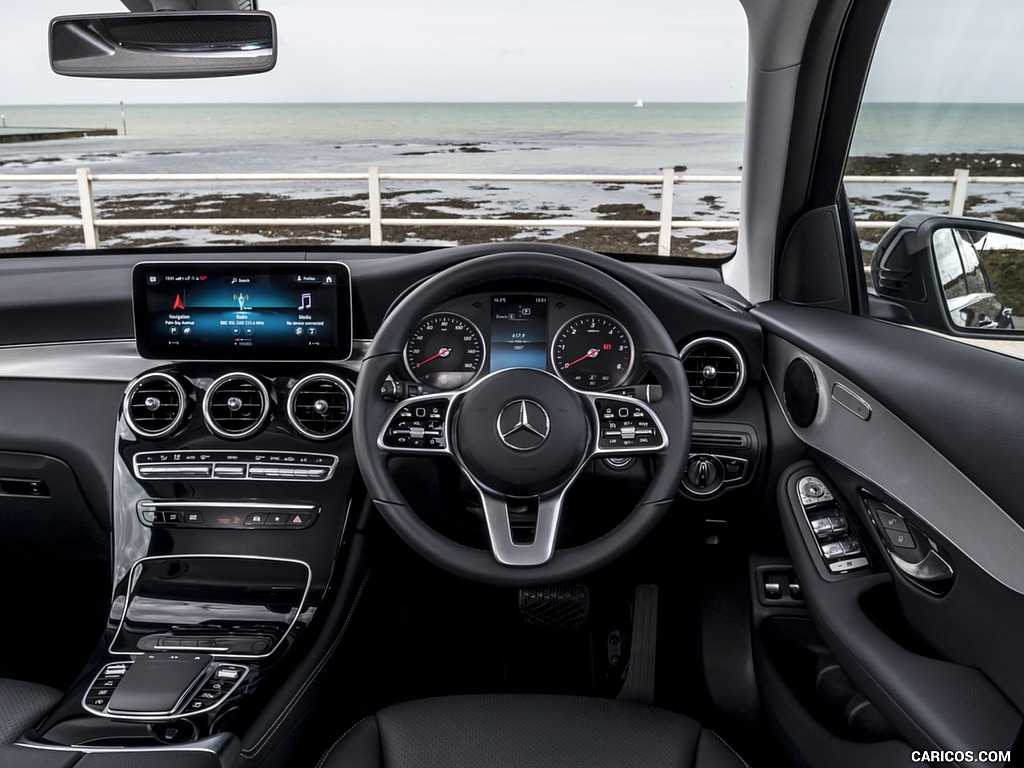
{"points": [[573, 338]]}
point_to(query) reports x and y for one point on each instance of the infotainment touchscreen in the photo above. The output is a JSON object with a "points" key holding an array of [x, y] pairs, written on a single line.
{"points": [[243, 311]]}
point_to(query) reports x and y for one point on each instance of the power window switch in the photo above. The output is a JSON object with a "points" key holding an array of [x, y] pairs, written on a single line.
{"points": [[822, 527], [833, 550], [851, 547], [839, 524]]}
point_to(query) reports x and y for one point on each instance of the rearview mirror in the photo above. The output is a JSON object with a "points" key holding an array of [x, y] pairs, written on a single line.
{"points": [[164, 45], [960, 276]]}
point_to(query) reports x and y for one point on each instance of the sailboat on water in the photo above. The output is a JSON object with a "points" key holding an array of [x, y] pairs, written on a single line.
{"points": [[639, 102]]}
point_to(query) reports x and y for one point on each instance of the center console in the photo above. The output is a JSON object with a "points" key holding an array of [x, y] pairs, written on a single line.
{"points": [[232, 478]]}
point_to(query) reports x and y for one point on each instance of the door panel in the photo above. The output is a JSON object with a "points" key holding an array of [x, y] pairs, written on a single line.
{"points": [[927, 429]]}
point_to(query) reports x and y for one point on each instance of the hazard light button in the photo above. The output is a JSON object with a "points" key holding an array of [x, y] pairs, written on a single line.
{"points": [[299, 520]]}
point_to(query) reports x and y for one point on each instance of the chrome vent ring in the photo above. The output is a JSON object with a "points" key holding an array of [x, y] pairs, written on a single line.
{"points": [[320, 406], [155, 405], [715, 371], [236, 406]]}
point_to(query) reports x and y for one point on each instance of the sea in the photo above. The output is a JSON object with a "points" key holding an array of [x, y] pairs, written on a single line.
{"points": [[562, 138]]}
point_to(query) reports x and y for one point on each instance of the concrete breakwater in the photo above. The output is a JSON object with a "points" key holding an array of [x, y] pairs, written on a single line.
{"points": [[19, 135]]}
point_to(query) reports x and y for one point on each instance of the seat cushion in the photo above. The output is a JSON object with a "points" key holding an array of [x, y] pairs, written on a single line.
{"points": [[526, 731], [21, 705]]}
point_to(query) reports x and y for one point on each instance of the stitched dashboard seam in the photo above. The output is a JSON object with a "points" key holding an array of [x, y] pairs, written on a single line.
{"points": [[253, 751], [334, 746]]}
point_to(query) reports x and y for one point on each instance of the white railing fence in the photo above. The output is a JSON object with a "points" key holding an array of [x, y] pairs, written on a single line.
{"points": [[91, 223]]}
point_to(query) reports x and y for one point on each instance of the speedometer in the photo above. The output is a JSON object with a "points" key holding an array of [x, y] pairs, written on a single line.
{"points": [[446, 351], [592, 352]]}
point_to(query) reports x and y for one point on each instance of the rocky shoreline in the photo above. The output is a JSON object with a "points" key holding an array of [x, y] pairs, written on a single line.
{"points": [[479, 201]]}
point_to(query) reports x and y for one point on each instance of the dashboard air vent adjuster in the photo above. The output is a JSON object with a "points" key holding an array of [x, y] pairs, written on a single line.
{"points": [[320, 406], [715, 371], [155, 405], [236, 406]]}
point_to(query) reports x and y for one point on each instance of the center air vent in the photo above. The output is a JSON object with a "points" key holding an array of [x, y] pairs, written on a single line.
{"points": [[715, 371], [155, 405], [236, 405], [320, 406]]}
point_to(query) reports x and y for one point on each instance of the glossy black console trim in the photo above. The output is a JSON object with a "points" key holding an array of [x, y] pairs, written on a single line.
{"points": [[217, 655]]}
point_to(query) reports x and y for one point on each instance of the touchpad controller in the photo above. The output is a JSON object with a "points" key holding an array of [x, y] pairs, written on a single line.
{"points": [[157, 683]]}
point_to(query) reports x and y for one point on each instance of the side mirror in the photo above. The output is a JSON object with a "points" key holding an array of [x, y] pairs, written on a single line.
{"points": [[171, 44], [964, 277]]}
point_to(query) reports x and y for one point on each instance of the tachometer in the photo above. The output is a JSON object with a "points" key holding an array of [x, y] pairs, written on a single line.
{"points": [[592, 352], [446, 351]]}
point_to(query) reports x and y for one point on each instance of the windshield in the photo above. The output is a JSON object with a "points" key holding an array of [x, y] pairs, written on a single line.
{"points": [[413, 136]]}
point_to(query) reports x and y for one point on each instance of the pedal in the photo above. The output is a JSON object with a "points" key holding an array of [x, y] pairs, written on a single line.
{"points": [[563, 606]]}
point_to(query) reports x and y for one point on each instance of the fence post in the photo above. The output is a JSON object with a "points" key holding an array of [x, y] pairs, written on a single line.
{"points": [[376, 230], [668, 183], [958, 198], [88, 206]]}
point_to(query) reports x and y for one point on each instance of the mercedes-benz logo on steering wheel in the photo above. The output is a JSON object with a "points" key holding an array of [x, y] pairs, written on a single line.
{"points": [[523, 425]]}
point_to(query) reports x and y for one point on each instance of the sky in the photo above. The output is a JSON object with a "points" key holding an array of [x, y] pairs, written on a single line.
{"points": [[534, 50], [439, 50]]}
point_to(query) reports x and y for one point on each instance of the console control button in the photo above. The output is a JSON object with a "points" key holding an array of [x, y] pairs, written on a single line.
{"points": [[229, 465]]}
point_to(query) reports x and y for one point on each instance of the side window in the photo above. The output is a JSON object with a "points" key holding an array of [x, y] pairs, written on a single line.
{"points": [[939, 133]]}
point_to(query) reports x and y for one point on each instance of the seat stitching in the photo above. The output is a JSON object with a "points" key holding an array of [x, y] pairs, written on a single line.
{"points": [[327, 754], [251, 752], [738, 755]]}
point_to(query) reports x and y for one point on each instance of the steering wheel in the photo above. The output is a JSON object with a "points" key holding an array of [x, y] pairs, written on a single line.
{"points": [[522, 436]]}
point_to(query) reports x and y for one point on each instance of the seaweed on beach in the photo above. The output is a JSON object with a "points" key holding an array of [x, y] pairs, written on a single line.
{"points": [[900, 164]]}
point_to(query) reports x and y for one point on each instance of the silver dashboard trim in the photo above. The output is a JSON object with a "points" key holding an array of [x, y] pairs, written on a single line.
{"points": [[115, 360]]}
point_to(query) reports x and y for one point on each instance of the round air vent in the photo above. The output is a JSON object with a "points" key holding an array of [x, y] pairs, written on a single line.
{"points": [[155, 405], [236, 405], [320, 406], [715, 371]]}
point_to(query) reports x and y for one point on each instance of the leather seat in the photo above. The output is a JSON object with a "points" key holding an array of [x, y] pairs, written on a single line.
{"points": [[22, 705], [525, 731]]}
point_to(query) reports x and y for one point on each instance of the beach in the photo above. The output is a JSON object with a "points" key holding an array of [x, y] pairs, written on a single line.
{"points": [[480, 139]]}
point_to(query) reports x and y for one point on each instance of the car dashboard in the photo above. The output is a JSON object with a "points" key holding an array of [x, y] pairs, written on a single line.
{"points": [[212, 442]]}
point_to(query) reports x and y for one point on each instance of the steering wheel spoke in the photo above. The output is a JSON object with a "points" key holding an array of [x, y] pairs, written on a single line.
{"points": [[509, 524], [419, 425], [625, 426]]}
